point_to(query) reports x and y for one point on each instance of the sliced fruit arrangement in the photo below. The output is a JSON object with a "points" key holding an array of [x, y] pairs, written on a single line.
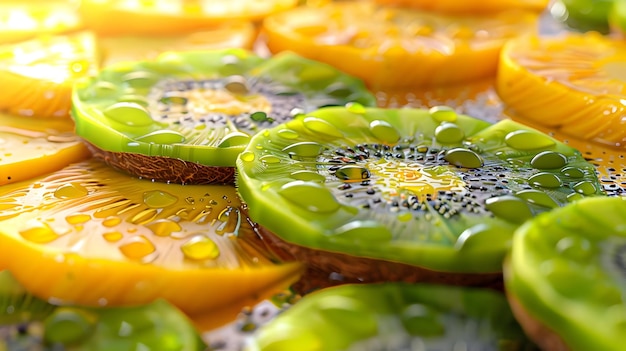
{"points": [[373, 194], [22, 20], [33, 147], [165, 17], [185, 117], [583, 15], [395, 317], [572, 84], [37, 75], [92, 236], [566, 269], [395, 48], [464, 7]]}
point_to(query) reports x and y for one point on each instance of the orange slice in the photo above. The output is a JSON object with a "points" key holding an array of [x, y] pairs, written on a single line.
{"points": [[239, 34], [574, 84], [396, 48], [459, 7], [31, 148], [21, 20], [92, 236], [37, 75], [166, 17]]}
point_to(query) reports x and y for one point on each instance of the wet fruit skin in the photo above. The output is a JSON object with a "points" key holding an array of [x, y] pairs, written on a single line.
{"points": [[566, 268], [395, 208]]}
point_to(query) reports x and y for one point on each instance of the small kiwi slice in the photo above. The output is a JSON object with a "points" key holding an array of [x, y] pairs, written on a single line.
{"points": [[17, 305], [370, 194], [185, 117], [566, 276], [395, 316], [155, 326]]}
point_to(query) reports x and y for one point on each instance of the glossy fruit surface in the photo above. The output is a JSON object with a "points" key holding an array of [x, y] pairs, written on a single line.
{"points": [[583, 15], [22, 20], [395, 48]]}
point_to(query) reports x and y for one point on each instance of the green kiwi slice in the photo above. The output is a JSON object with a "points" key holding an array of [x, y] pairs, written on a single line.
{"points": [[566, 276], [427, 189], [17, 305], [155, 326], [184, 117], [395, 316]]}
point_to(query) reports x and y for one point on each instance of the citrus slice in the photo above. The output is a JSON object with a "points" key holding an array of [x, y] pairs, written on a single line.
{"points": [[417, 188], [566, 269], [90, 235], [22, 20], [186, 116], [37, 75], [114, 49], [29, 148], [574, 84], [464, 7], [393, 48], [166, 17]]}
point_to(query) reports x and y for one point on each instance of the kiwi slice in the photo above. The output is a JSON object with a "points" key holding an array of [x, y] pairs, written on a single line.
{"points": [[583, 15], [185, 117], [17, 305], [395, 316], [155, 326], [565, 276], [375, 194]]}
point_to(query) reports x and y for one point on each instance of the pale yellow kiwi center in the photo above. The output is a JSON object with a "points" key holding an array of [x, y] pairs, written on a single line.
{"points": [[202, 101]]}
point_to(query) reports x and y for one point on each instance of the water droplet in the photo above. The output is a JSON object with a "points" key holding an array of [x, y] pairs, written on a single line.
{"points": [[463, 158], [574, 197], [230, 218], [234, 139], [134, 98], [38, 232], [200, 247], [384, 132], [78, 218], [69, 325], [112, 236], [237, 85], [573, 172], [164, 227], [321, 126], [585, 188], [111, 221], [270, 159], [537, 197], [247, 156], [449, 133], [355, 107], [129, 113], [528, 140], [575, 247], [548, 160], [304, 149], [137, 247], [546, 180], [309, 195], [140, 79], [421, 321], [509, 208], [366, 231], [158, 199], [353, 173], [70, 191], [308, 175], [481, 236], [171, 99], [104, 89], [287, 133], [162, 136], [443, 114], [144, 216]]}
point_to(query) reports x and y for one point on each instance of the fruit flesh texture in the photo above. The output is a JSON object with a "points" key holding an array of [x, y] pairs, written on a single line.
{"points": [[566, 269], [38, 75], [571, 84], [463, 7], [114, 111], [392, 48], [31, 149], [359, 208], [393, 316], [73, 228], [21, 20]]}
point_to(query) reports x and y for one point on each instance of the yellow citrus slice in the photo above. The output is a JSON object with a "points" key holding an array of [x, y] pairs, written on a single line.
{"points": [[92, 236], [574, 84], [29, 148], [456, 6], [21, 20], [396, 48], [37, 75], [166, 17], [238, 34]]}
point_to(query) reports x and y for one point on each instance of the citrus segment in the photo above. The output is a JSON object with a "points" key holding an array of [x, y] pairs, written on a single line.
{"points": [[392, 48], [464, 7], [573, 84], [22, 20], [30, 149], [89, 235], [37, 75]]}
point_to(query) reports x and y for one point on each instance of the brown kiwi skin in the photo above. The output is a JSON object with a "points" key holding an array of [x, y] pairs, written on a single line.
{"points": [[164, 169], [326, 268]]}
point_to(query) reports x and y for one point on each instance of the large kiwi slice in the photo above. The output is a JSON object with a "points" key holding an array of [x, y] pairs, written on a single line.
{"points": [[565, 276], [395, 316], [17, 305], [350, 190], [185, 117], [90, 235]]}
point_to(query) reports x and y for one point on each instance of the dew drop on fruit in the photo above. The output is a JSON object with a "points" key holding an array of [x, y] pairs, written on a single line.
{"points": [[38, 232], [237, 85], [574, 197], [287, 133], [111, 221], [172, 99], [321, 126], [77, 218], [200, 247], [463, 158], [353, 173], [158, 199], [310, 196], [548, 160], [164, 227], [443, 114], [307, 175], [355, 107], [112, 236], [137, 247], [128, 113], [384, 131], [546, 180], [270, 159], [537, 197], [449, 133], [304, 149], [234, 139], [70, 191], [247, 156], [573, 172], [509, 208], [104, 89], [528, 140], [585, 187]]}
